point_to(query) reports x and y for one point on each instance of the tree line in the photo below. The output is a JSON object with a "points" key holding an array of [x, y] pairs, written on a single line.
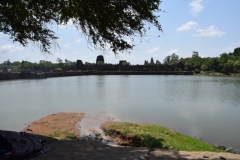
{"points": [[225, 63], [18, 66]]}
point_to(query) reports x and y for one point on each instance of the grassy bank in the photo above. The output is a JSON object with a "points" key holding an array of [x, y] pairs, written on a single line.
{"points": [[153, 136]]}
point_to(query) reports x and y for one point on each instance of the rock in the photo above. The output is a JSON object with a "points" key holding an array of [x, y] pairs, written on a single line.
{"points": [[220, 146], [237, 151], [229, 149]]}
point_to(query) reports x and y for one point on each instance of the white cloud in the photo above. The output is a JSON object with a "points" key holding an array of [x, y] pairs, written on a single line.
{"points": [[66, 45], [153, 50], [79, 40], [6, 47], [211, 31], [69, 24], [196, 7], [231, 47], [187, 26], [9, 48], [172, 51]]}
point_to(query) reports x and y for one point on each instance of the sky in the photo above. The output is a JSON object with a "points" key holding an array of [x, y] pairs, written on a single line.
{"points": [[210, 27]]}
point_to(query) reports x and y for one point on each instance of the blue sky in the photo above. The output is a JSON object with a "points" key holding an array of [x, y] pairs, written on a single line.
{"points": [[209, 27]]}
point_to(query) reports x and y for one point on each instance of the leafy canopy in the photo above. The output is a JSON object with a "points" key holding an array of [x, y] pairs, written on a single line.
{"points": [[103, 22]]}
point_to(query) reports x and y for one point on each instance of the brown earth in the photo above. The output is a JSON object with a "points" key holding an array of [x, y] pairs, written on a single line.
{"points": [[77, 149], [60, 125]]}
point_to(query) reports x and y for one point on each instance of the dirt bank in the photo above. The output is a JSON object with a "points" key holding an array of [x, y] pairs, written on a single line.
{"points": [[60, 125], [74, 149]]}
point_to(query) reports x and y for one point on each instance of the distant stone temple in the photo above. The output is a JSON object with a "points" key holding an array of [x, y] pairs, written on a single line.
{"points": [[151, 62], [79, 64], [100, 58], [145, 62]]}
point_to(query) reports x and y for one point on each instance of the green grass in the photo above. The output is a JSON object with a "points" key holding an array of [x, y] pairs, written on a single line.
{"points": [[63, 135], [153, 136]]}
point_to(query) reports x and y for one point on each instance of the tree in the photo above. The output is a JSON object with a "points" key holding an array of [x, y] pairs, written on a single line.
{"points": [[236, 65], [204, 67], [8, 62], [26, 65], [228, 67], [174, 59], [195, 54], [103, 22], [158, 64], [167, 60], [224, 57], [236, 51], [60, 61], [87, 63], [171, 60], [68, 62]]}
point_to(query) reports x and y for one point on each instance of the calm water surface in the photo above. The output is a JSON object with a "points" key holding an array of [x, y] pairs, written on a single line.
{"points": [[199, 106]]}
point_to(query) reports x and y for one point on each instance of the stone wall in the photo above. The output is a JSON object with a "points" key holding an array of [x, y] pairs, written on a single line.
{"points": [[8, 76]]}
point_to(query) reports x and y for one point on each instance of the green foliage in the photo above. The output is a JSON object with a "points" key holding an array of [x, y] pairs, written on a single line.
{"points": [[195, 55], [171, 60], [224, 57], [158, 63], [46, 63], [236, 65], [25, 65], [103, 22], [195, 63], [185, 68], [60, 61], [58, 69], [196, 71], [126, 131], [236, 51], [153, 136], [204, 67]]}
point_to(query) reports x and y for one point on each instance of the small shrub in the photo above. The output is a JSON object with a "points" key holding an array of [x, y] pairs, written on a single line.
{"points": [[196, 71], [185, 68], [58, 69]]}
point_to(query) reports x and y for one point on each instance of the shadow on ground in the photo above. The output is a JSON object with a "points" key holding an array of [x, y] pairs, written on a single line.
{"points": [[86, 150]]}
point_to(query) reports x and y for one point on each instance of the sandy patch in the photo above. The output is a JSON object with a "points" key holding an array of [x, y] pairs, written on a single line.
{"points": [[89, 126]]}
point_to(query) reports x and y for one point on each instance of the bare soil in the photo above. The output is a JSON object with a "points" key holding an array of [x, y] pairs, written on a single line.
{"points": [[60, 122]]}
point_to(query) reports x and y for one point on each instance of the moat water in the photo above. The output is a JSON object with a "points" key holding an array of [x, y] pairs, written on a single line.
{"points": [[203, 107]]}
